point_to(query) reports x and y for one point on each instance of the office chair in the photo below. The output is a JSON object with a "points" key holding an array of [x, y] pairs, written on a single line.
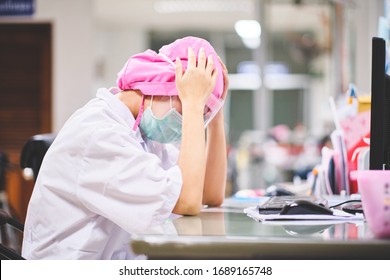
{"points": [[7, 253], [34, 151], [8, 235], [4, 162]]}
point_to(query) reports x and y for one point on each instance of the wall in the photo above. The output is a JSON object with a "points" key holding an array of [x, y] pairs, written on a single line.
{"points": [[366, 23], [113, 46], [72, 56], [85, 55]]}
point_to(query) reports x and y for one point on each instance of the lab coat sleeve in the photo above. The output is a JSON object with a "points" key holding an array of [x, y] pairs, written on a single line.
{"points": [[120, 181]]}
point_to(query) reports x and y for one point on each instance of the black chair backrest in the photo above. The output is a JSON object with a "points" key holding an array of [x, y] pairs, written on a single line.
{"points": [[3, 166], [34, 151]]}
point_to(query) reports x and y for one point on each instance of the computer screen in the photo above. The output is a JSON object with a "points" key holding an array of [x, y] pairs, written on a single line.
{"points": [[380, 108]]}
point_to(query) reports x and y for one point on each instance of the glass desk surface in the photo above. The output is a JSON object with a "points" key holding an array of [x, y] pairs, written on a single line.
{"points": [[228, 233]]}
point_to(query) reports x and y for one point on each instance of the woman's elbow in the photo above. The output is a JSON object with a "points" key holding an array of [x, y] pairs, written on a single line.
{"points": [[214, 201], [187, 209]]}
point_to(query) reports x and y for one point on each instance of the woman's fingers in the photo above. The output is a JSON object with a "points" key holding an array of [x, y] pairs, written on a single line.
{"points": [[201, 59], [196, 82], [225, 78], [191, 58], [222, 64], [179, 68], [210, 64]]}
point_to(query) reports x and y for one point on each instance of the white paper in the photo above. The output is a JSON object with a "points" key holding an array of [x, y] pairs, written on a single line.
{"points": [[338, 215]]}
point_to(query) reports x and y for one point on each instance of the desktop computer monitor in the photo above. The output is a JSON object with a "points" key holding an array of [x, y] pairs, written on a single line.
{"points": [[380, 108]]}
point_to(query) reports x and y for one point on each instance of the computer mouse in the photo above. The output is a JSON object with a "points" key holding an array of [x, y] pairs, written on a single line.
{"points": [[305, 207], [275, 190]]}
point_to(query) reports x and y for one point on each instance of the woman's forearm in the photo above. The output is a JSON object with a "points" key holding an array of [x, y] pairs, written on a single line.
{"points": [[192, 162], [216, 163]]}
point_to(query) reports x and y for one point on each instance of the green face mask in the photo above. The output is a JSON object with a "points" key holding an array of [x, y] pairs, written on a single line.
{"points": [[163, 130]]}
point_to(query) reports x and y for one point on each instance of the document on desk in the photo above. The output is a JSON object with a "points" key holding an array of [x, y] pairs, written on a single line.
{"points": [[338, 215]]}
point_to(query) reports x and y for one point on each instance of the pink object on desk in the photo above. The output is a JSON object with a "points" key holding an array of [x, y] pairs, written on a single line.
{"points": [[355, 129], [374, 187]]}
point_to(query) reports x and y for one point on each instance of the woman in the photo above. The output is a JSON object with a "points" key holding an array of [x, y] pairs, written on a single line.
{"points": [[132, 156]]}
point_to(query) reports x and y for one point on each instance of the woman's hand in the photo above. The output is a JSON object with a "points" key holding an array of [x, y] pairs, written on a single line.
{"points": [[219, 115], [198, 81], [225, 79]]}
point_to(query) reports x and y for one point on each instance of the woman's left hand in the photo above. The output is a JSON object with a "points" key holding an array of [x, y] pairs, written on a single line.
{"points": [[219, 115], [225, 79]]}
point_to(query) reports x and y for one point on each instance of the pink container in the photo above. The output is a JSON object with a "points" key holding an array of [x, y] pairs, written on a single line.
{"points": [[374, 187]]}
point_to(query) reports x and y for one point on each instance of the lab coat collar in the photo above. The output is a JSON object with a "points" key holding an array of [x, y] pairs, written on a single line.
{"points": [[120, 109]]}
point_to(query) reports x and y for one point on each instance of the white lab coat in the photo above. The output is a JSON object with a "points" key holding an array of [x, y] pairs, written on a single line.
{"points": [[98, 183]]}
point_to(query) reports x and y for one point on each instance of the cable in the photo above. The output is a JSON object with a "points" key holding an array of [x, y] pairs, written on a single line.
{"points": [[344, 202]]}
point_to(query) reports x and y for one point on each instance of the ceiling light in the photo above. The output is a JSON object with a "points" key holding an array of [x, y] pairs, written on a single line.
{"points": [[249, 31], [179, 6]]}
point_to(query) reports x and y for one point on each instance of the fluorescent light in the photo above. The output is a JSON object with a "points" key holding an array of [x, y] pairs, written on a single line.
{"points": [[179, 6], [248, 28], [244, 82], [249, 31], [251, 43]]}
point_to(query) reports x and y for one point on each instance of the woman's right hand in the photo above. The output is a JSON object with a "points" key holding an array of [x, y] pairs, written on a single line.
{"points": [[198, 81]]}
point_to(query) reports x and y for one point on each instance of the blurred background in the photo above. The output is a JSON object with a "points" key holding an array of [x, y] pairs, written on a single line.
{"points": [[285, 59]]}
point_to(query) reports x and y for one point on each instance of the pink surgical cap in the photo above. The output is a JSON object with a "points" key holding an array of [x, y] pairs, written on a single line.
{"points": [[154, 73]]}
